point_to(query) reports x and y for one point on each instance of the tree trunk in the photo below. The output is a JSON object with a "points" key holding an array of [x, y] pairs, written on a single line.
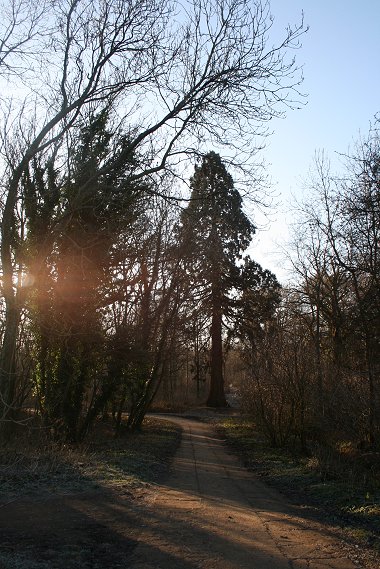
{"points": [[12, 305], [371, 391], [216, 396], [8, 367]]}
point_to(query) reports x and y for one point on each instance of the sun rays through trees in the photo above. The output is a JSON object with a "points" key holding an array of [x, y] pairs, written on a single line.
{"points": [[103, 103]]}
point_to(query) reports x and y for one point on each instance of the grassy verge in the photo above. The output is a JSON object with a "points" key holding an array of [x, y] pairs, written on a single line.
{"points": [[56, 533], [355, 507], [33, 466]]}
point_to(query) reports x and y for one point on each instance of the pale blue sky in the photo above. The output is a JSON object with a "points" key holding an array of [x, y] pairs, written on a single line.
{"points": [[341, 56]]}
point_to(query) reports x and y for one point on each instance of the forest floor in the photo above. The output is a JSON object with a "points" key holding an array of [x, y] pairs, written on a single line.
{"points": [[210, 512]]}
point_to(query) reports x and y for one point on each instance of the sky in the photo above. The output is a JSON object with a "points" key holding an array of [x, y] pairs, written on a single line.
{"points": [[340, 57]]}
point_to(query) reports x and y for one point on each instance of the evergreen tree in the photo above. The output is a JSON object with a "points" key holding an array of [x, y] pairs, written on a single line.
{"points": [[215, 232], [74, 223]]}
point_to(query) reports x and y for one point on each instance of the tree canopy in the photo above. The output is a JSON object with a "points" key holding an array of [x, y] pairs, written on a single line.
{"points": [[164, 79]]}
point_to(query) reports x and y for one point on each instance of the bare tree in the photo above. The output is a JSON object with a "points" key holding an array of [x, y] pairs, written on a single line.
{"points": [[321, 285], [177, 75], [337, 262], [360, 232], [21, 30]]}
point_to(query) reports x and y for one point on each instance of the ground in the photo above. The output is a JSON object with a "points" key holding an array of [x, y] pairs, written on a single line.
{"points": [[209, 513]]}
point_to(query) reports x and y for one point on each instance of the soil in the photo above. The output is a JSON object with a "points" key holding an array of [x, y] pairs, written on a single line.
{"points": [[209, 513]]}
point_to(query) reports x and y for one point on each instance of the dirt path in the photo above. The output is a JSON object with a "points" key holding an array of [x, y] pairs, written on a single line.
{"points": [[213, 514], [210, 514]]}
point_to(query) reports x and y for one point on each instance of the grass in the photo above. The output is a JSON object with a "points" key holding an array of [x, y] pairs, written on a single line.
{"points": [[133, 460], [32, 468], [352, 502]]}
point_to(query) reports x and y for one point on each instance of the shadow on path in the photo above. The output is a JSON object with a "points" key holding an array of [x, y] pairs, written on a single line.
{"points": [[213, 513], [210, 514]]}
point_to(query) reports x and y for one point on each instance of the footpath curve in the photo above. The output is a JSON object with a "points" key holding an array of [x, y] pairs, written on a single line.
{"points": [[214, 514]]}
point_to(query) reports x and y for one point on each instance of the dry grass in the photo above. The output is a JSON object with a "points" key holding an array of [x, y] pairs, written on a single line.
{"points": [[47, 482], [33, 464]]}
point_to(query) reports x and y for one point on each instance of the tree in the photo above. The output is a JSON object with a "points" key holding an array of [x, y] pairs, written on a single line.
{"points": [[215, 231], [360, 257], [338, 267], [256, 305], [322, 289], [70, 266], [150, 294], [205, 71], [280, 370], [21, 29]]}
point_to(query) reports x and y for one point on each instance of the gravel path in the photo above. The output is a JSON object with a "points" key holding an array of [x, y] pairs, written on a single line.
{"points": [[213, 514]]}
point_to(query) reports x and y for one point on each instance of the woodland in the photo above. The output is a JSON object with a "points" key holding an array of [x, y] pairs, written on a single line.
{"points": [[129, 138]]}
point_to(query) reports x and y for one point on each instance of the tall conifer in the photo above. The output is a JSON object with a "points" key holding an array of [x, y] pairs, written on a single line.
{"points": [[215, 233]]}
